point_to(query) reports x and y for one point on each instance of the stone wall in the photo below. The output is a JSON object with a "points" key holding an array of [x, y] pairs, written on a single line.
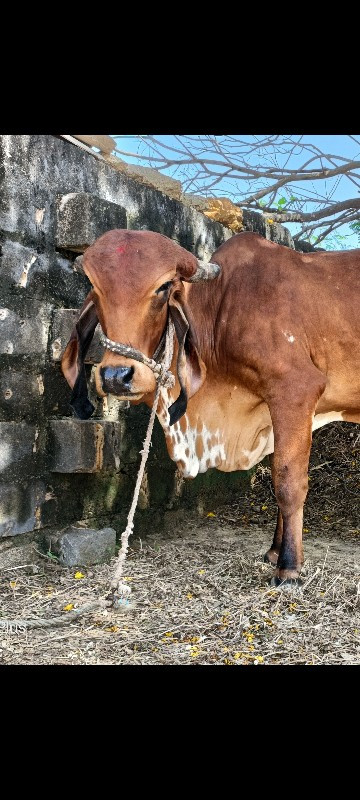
{"points": [[55, 470]]}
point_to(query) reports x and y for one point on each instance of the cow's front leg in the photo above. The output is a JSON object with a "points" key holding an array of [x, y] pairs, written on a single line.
{"points": [[292, 413]]}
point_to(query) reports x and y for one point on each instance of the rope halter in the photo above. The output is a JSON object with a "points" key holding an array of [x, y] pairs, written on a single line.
{"points": [[164, 349]]}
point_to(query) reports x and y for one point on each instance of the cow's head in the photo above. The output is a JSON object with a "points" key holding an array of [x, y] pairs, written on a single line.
{"points": [[137, 281]]}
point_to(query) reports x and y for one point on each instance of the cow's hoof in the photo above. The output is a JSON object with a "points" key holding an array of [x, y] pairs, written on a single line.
{"points": [[286, 583], [271, 557]]}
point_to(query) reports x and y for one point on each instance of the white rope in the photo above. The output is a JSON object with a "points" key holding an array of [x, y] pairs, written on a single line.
{"points": [[120, 591]]}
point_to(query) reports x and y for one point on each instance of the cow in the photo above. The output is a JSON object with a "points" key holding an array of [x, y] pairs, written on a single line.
{"points": [[266, 350]]}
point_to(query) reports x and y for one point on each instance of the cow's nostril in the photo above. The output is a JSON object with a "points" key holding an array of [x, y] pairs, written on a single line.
{"points": [[114, 379], [126, 374]]}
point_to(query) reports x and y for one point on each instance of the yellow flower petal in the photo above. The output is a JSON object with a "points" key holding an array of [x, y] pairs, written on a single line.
{"points": [[189, 596], [201, 572], [69, 607], [112, 629], [78, 576], [13, 584], [263, 508], [211, 514]]}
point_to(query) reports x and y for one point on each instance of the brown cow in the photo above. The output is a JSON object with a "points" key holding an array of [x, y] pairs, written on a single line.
{"points": [[264, 354]]}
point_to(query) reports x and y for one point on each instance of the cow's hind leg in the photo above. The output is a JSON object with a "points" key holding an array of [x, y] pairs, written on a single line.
{"points": [[272, 555], [292, 407]]}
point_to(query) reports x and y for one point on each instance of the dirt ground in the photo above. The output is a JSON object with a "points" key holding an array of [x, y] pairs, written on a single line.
{"points": [[201, 593], [198, 597]]}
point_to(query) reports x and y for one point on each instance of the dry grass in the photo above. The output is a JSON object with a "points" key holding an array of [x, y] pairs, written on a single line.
{"points": [[201, 595]]}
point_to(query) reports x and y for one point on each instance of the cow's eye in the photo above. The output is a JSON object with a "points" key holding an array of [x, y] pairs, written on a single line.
{"points": [[164, 287]]}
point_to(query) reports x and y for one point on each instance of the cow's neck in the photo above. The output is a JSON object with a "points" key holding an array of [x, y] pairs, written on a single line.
{"points": [[224, 426]]}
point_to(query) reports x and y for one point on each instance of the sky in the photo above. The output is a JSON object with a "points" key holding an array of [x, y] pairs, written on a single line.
{"points": [[341, 187]]}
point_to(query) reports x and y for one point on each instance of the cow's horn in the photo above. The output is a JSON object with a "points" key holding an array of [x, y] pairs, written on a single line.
{"points": [[206, 271]]}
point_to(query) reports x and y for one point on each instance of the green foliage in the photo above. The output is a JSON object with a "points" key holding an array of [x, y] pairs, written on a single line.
{"points": [[334, 241], [281, 205], [355, 227]]}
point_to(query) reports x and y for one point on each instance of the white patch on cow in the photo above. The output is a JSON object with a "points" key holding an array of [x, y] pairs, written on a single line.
{"points": [[184, 443], [323, 419], [289, 337]]}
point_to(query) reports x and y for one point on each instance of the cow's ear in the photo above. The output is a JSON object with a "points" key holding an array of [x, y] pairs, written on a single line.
{"points": [[191, 369], [72, 362]]}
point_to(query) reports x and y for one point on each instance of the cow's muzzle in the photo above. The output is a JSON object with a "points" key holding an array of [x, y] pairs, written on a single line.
{"points": [[116, 380]]}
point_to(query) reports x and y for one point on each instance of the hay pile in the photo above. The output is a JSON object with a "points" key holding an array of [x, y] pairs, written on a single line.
{"points": [[333, 501]]}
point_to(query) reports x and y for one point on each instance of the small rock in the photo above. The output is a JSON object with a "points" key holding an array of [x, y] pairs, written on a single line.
{"points": [[80, 547]]}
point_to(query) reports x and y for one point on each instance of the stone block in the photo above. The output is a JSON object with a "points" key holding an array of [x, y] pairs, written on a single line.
{"points": [[84, 446], [19, 444], [20, 552], [21, 394], [57, 392], [82, 217], [81, 547], [67, 287], [20, 506], [63, 322], [24, 334], [23, 268]]}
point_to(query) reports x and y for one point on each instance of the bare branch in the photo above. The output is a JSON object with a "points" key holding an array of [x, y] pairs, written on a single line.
{"points": [[286, 176], [293, 216]]}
